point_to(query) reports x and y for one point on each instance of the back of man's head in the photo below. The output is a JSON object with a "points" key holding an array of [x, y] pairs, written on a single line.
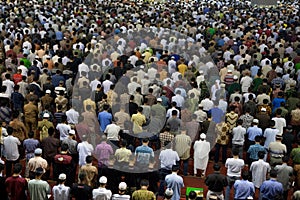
{"points": [[144, 182]]}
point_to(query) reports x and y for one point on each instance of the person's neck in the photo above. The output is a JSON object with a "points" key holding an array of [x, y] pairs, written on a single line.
{"points": [[144, 187], [236, 157], [16, 174]]}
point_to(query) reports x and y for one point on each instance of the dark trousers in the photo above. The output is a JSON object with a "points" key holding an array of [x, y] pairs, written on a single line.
{"points": [[8, 165], [217, 152], [163, 172]]}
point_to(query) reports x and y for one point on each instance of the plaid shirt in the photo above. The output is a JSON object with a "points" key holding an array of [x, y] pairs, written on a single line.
{"points": [[165, 136]]}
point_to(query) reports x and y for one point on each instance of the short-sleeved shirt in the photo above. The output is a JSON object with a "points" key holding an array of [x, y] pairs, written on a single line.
{"points": [[143, 195], [144, 153]]}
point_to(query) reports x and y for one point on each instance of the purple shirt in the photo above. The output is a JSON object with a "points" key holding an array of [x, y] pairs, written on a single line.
{"points": [[103, 151]]}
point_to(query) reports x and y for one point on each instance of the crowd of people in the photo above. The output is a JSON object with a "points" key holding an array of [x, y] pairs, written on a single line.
{"points": [[117, 99]]}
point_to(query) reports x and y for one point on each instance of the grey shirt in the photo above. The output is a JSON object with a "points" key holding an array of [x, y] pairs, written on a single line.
{"points": [[284, 172], [10, 144]]}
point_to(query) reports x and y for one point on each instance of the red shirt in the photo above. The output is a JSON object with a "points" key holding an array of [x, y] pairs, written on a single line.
{"points": [[15, 187], [17, 78]]}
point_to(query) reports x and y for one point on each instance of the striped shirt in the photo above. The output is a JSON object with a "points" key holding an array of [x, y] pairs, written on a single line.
{"points": [[182, 146]]}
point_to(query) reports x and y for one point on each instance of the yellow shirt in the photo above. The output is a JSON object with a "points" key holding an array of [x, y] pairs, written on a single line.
{"points": [[182, 68]]}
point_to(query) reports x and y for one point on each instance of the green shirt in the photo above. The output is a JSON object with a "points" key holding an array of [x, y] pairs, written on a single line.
{"points": [[143, 195], [295, 155]]}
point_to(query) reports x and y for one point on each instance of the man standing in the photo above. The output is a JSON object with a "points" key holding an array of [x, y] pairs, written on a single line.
{"points": [[50, 147], [238, 138], [102, 192], [253, 132], [122, 193], [168, 157], [271, 189], [295, 155], [38, 189], [10, 146], [31, 115], [259, 170], [112, 131], [216, 183], [63, 128], [19, 128], [234, 168], [284, 175], [277, 151], [143, 192], [244, 189], [104, 118], [138, 120], [90, 170], [44, 125], [174, 123], [84, 149], [16, 186], [144, 154], [36, 162], [60, 191], [102, 152], [72, 146], [201, 155], [63, 164], [183, 144], [254, 149], [175, 182], [270, 134]]}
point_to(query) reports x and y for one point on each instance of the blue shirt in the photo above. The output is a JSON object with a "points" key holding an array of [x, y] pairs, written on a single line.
{"points": [[144, 153], [243, 189], [253, 132], [176, 183], [105, 119], [56, 78], [254, 149], [59, 35], [276, 103], [254, 69], [30, 145], [217, 115], [270, 189]]}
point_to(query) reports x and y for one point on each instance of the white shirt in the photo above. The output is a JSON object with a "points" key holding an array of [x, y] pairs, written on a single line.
{"points": [[63, 130], [169, 112], [61, 192], [234, 166], [106, 86], [24, 70], [83, 67], [280, 123], [72, 116], [99, 191], [94, 84], [178, 99], [238, 133], [10, 86], [132, 87], [112, 131], [168, 158], [207, 104], [84, 149]]}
